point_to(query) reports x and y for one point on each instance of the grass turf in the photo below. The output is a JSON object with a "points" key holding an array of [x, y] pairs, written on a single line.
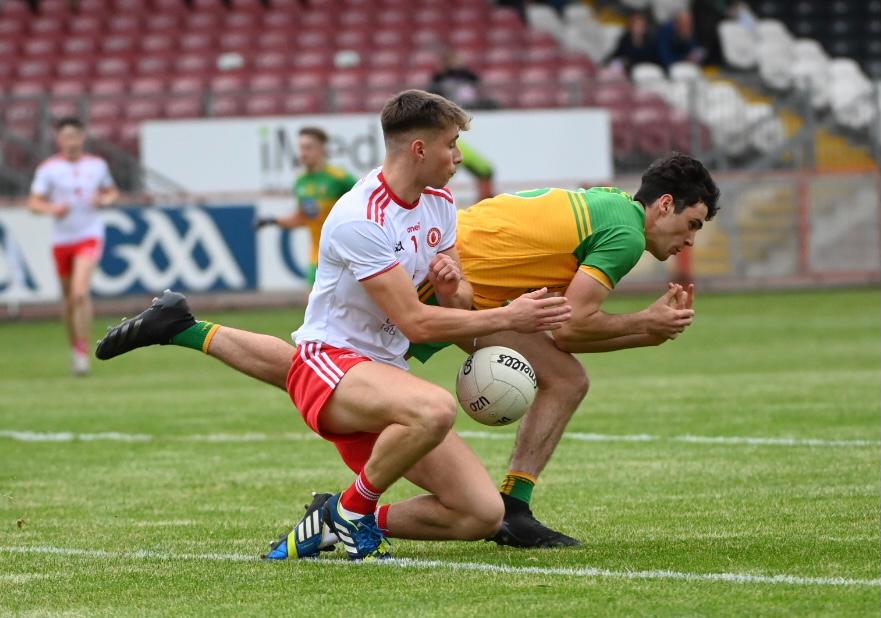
{"points": [[229, 463]]}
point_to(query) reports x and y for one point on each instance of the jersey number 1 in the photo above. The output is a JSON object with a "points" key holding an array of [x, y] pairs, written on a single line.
{"points": [[415, 245]]}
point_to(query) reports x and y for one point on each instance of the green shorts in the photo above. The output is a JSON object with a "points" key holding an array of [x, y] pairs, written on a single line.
{"points": [[311, 273]]}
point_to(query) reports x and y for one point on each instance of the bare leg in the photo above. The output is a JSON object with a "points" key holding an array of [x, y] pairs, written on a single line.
{"points": [[411, 415], [263, 357], [562, 385], [80, 299], [67, 310], [464, 504]]}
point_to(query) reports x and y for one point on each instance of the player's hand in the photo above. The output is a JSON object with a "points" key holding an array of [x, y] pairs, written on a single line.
{"points": [[444, 275], [665, 316], [261, 222], [60, 210], [537, 311], [685, 298]]}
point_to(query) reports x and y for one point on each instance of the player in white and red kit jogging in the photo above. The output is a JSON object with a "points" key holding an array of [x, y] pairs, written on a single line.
{"points": [[349, 377], [71, 186]]}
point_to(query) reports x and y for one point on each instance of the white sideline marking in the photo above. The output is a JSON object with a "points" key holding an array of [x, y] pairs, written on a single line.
{"points": [[36, 436], [408, 563]]}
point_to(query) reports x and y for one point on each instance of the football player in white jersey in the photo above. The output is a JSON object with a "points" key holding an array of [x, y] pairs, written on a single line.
{"points": [[71, 186], [349, 377]]}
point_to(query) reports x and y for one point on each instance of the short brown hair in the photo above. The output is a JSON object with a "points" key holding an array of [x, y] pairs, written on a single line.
{"points": [[417, 109], [316, 132]]}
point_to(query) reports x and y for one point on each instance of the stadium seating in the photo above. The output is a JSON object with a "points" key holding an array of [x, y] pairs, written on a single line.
{"points": [[121, 62]]}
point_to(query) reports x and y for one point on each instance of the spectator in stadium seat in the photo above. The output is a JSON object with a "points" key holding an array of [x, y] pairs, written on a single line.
{"points": [[677, 41], [637, 43], [458, 83]]}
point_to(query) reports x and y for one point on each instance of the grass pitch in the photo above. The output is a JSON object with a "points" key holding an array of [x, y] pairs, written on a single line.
{"points": [[734, 471]]}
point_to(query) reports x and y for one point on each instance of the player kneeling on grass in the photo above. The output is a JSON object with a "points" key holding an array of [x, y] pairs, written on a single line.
{"points": [[349, 376]]}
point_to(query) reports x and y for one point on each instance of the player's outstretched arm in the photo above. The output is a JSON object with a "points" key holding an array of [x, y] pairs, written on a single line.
{"points": [[593, 330], [394, 293]]}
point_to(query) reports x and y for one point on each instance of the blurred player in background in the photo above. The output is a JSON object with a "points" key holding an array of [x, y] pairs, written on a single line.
{"points": [[71, 186], [479, 167], [316, 191], [580, 243], [349, 377]]}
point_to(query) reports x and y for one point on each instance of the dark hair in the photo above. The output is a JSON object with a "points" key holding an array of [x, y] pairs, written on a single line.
{"points": [[683, 177], [315, 132], [68, 121], [417, 109]]}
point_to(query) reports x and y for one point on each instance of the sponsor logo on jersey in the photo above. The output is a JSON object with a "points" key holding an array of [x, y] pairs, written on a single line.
{"points": [[433, 237]]}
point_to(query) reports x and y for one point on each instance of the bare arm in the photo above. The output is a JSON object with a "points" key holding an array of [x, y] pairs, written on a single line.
{"points": [[394, 293], [590, 324], [40, 204], [106, 197], [445, 275], [296, 219]]}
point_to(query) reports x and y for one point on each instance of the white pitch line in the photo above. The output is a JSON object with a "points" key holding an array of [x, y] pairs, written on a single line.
{"points": [[408, 563], [221, 438]]}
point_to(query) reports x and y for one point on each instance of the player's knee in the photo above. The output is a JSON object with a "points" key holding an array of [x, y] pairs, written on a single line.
{"points": [[78, 297], [568, 381], [436, 414]]}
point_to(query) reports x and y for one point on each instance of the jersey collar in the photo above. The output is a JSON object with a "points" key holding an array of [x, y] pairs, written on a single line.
{"points": [[394, 197]]}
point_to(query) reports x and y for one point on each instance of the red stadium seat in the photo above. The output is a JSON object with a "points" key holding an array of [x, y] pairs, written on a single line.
{"points": [[162, 23], [103, 110], [143, 109], [187, 84], [147, 86], [123, 24], [302, 103], [347, 100], [39, 47], [194, 63], [79, 46], [266, 82], [31, 88], [537, 97], [227, 83], [157, 43], [346, 78], [154, 65], [33, 69], [280, 21], [60, 108], [183, 107], [46, 26], [275, 40], [317, 20], [85, 25], [72, 68], [393, 19], [118, 44], [68, 88], [8, 47], [356, 18], [196, 41], [115, 67], [307, 80], [226, 105], [263, 105], [311, 60], [272, 61], [389, 39], [385, 59], [109, 86], [102, 130], [417, 77]]}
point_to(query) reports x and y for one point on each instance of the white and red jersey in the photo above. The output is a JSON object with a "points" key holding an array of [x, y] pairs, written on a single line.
{"points": [[370, 231], [75, 183]]}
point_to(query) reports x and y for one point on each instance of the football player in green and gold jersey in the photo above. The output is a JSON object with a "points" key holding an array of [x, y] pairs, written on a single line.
{"points": [[578, 243], [316, 190]]}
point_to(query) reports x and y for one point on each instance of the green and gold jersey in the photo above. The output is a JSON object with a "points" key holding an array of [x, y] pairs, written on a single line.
{"points": [[512, 243], [316, 193]]}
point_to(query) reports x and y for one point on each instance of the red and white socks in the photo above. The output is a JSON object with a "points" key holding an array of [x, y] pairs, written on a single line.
{"points": [[360, 498]]}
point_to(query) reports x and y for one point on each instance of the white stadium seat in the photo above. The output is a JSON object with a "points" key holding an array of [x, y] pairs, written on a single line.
{"points": [[738, 45]]}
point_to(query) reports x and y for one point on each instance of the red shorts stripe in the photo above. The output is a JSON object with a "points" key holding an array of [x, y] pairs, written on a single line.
{"points": [[316, 370], [64, 255]]}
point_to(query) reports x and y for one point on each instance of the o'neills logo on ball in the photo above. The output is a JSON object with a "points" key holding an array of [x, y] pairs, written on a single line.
{"points": [[433, 237]]}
